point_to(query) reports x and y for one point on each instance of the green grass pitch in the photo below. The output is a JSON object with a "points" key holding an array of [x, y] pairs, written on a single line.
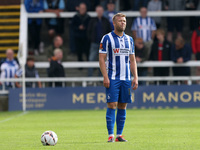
{"points": [[167, 129]]}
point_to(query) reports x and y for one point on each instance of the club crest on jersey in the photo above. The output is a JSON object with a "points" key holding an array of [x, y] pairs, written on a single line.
{"points": [[101, 46], [116, 50]]}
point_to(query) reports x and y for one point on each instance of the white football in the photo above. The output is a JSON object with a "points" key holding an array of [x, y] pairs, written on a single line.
{"points": [[49, 138]]}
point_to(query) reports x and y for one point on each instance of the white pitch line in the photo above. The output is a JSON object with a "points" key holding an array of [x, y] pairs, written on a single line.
{"points": [[8, 119]]}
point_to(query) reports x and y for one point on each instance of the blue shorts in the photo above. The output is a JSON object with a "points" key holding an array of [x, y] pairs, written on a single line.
{"points": [[119, 91]]}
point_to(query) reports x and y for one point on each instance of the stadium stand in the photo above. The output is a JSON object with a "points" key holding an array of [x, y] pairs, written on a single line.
{"points": [[9, 28], [10, 35]]}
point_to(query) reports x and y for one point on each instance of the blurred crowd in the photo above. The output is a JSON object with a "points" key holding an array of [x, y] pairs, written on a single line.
{"points": [[152, 41]]}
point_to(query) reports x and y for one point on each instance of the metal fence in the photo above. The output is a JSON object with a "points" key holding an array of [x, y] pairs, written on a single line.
{"points": [[85, 80]]}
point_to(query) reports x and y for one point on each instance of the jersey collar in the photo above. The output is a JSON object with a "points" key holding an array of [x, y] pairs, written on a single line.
{"points": [[113, 34]]}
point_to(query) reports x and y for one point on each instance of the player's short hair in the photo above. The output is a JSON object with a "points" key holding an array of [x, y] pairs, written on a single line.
{"points": [[56, 51], [118, 15], [160, 31]]}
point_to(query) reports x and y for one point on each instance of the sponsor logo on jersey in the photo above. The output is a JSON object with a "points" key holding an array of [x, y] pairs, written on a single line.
{"points": [[120, 51], [116, 50]]}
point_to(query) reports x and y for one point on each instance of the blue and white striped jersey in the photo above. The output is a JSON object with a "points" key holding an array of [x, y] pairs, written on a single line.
{"points": [[8, 70], [144, 28], [118, 50]]}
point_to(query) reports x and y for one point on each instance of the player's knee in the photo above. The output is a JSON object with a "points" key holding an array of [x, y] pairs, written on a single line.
{"points": [[121, 105], [112, 105]]}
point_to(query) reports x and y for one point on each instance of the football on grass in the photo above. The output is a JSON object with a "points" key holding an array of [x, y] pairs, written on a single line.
{"points": [[49, 138]]}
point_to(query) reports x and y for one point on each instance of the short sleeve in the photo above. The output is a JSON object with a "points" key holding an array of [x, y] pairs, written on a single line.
{"points": [[134, 25], [153, 25], [62, 4], [132, 46], [103, 48], [45, 5]]}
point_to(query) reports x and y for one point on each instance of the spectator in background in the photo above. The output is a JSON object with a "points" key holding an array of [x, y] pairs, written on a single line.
{"points": [[125, 5], [181, 53], [198, 7], [139, 3], [80, 24], [161, 51], [174, 22], [155, 5], [98, 27], [9, 68], [56, 68], [141, 55], [144, 27], [30, 72], [94, 4], [34, 25], [73, 5], [110, 12], [196, 46], [192, 5], [55, 25], [103, 3], [57, 43]]}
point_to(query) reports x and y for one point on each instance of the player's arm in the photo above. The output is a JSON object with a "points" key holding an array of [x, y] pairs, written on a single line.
{"points": [[102, 64], [133, 67]]}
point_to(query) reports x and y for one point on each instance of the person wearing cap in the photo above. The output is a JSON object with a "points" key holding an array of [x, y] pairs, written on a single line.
{"points": [[30, 72]]}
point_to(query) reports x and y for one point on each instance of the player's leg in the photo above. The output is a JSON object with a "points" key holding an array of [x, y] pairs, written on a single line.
{"points": [[124, 98], [112, 94], [110, 120], [120, 120]]}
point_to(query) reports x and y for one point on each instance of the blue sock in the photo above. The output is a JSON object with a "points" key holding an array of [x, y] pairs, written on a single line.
{"points": [[110, 119], [121, 117]]}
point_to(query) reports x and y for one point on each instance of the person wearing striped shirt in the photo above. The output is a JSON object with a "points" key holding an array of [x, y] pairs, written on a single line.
{"points": [[144, 27], [117, 60], [9, 68]]}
